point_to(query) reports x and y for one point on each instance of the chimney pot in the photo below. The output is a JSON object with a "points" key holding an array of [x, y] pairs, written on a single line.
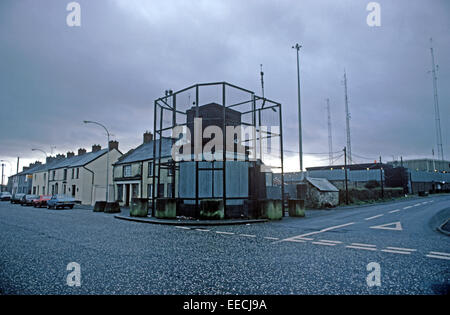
{"points": [[70, 154], [113, 145], [81, 151]]}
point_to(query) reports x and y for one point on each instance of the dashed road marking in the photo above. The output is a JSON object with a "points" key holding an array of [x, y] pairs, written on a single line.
{"points": [[327, 241], [361, 247], [271, 238], [440, 253], [408, 207], [183, 227], [417, 204], [226, 233], [324, 243], [395, 251], [202, 230], [394, 211], [362, 244], [247, 235], [401, 248], [439, 257], [374, 217]]}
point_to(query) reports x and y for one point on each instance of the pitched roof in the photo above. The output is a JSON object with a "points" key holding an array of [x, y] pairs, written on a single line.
{"points": [[78, 160], [145, 151], [322, 184]]}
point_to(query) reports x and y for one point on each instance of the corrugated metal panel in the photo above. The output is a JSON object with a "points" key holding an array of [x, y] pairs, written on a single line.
{"points": [[322, 184]]}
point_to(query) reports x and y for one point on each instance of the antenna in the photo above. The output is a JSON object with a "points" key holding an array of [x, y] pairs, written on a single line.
{"points": [[347, 118], [330, 137], [436, 105], [262, 80]]}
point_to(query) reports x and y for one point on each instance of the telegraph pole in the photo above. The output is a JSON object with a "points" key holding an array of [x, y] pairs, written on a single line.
{"points": [[346, 179], [436, 106], [3, 166], [347, 120], [330, 137], [381, 179], [297, 48]]}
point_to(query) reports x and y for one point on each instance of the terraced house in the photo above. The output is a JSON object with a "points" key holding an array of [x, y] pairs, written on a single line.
{"points": [[133, 172], [81, 176]]}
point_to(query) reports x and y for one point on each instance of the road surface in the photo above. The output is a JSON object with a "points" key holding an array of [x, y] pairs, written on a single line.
{"points": [[326, 253]]}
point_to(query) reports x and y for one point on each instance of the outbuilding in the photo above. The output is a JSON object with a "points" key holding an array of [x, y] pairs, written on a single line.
{"points": [[320, 193]]}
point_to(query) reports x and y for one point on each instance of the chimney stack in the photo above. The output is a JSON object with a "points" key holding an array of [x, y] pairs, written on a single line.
{"points": [[96, 148], [81, 151], [60, 156], [148, 137], [49, 159], [70, 154], [113, 145]]}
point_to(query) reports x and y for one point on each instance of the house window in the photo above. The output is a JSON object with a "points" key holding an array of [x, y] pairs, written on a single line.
{"points": [[150, 169], [53, 175], [169, 190], [135, 192], [127, 171], [43, 190], [120, 192], [78, 173], [73, 173], [65, 173], [45, 176], [149, 190], [160, 193], [34, 190]]}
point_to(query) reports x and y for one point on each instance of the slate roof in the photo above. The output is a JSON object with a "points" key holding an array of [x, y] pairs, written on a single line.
{"points": [[144, 152], [77, 160], [322, 184]]}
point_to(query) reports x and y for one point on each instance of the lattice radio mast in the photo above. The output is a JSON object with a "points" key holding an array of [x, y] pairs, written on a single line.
{"points": [[436, 105]]}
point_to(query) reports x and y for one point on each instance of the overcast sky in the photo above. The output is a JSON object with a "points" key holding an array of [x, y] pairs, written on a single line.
{"points": [[127, 52]]}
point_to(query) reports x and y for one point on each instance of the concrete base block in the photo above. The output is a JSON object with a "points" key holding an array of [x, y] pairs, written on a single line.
{"points": [[271, 209], [212, 209], [139, 207], [296, 208], [166, 208]]}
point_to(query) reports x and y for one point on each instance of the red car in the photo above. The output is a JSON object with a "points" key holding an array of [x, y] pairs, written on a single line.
{"points": [[41, 201]]}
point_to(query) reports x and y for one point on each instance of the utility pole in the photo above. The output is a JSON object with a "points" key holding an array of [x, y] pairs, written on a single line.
{"points": [[18, 158], [436, 105], [330, 137], [346, 178], [297, 48], [381, 179], [3, 166], [347, 120], [262, 80]]}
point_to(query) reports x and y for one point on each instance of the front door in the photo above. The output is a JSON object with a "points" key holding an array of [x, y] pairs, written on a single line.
{"points": [[127, 195]]}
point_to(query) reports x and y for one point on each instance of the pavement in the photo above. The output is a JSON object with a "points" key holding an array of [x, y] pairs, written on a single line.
{"points": [[328, 252]]}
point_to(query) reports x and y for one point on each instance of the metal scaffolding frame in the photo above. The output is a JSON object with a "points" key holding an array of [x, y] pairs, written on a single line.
{"points": [[166, 108]]}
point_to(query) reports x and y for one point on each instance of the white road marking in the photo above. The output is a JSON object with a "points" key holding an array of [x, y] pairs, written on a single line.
{"points": [[323, 243], [271, 238], [398, 226], [404, 249], [361, 244], [316, 232], [440, 253], [376, 216], [408, 207], [247, 235], [417, 204], [439, 257], [335, 242], [295, 240], [202, 230], [395, 251], [394, 211], [226, 233], [305, 239], [183, 227], [359, 247]]}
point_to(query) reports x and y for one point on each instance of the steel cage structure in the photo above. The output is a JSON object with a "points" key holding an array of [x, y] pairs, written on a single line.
{"points": [[170, 111]]}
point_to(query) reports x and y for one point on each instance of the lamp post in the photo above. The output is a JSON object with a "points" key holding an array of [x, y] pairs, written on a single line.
{"points": [[3, 166], [107, 154], [40, 151], [297, 48]]}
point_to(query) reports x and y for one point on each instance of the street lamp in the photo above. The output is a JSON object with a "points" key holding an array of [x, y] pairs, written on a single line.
{"points": [[297, 48], [40, 151], [107, 154], [3, 166]]}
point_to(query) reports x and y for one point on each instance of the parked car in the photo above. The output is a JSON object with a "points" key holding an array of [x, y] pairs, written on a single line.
{"points": [[5, 196], [41, 201], [60, 201], [27, 200], [17, 198]]}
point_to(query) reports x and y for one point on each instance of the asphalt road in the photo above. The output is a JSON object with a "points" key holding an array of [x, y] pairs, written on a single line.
{"points": [[325, 253]]}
